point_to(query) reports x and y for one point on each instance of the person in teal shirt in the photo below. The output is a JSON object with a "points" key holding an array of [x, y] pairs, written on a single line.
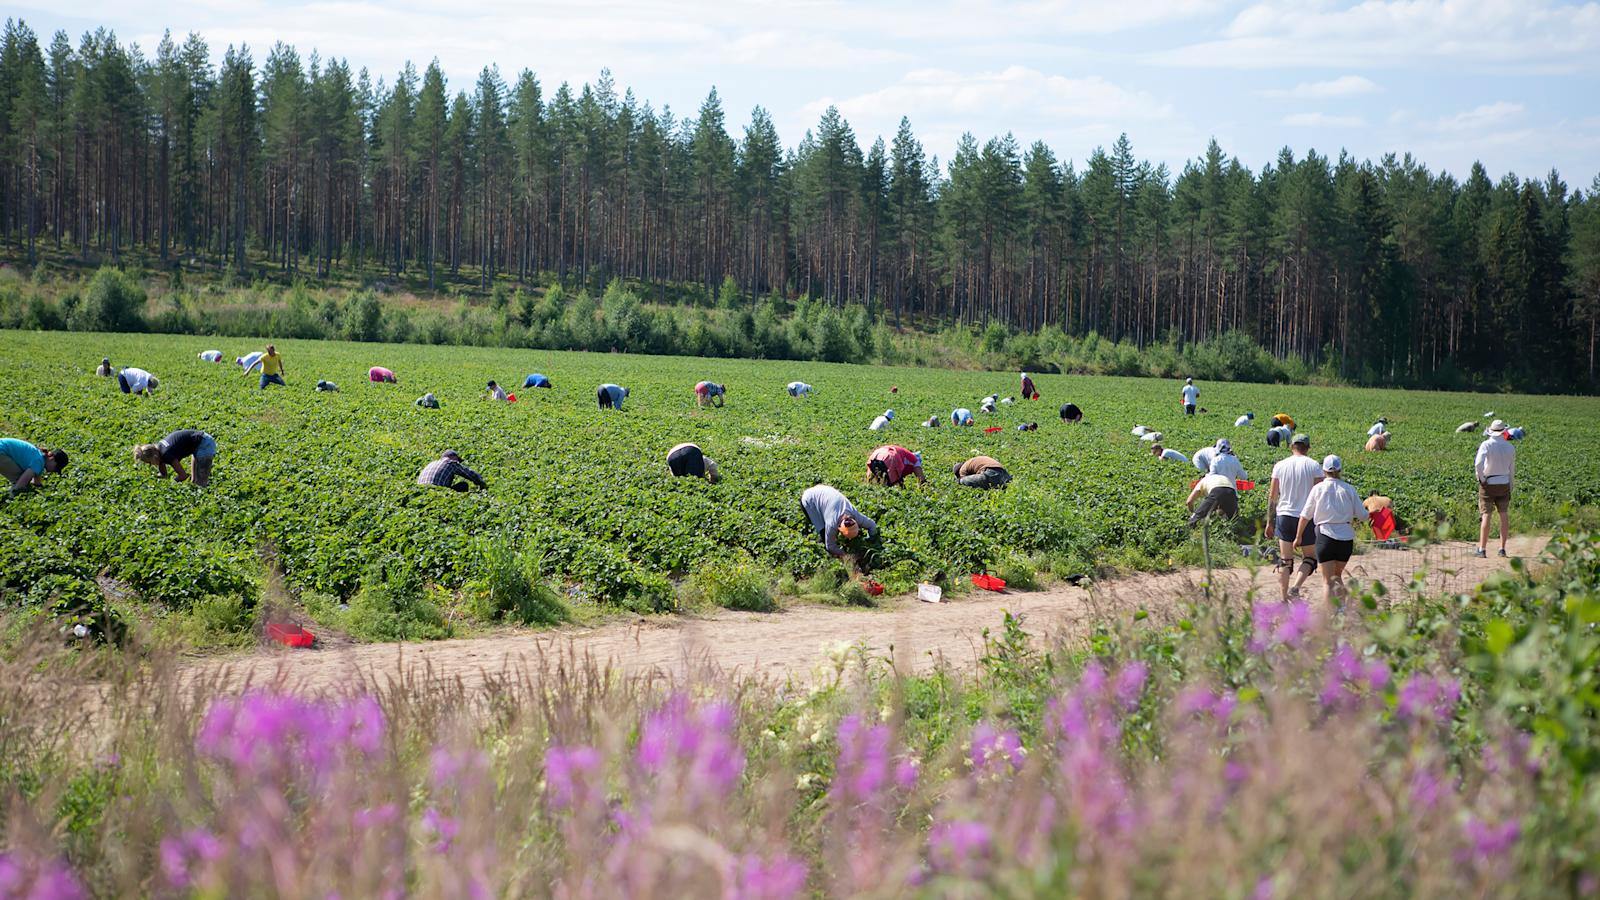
{"points": [[24, 465]]}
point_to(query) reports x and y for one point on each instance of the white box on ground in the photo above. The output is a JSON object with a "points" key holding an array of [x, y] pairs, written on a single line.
{"points": [[929, 593]]}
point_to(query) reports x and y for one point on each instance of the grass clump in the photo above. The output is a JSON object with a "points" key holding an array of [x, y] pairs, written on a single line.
{"points": [[393, 605], [511, 590], [731, 584]]}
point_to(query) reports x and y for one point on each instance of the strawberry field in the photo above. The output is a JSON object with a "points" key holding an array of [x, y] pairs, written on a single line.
{"points": [[322, 484]]}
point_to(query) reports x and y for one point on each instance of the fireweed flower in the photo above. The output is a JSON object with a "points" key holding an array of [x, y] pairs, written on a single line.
{"points": [[1279, 624], [1347, 676], [1490, 842], [34, 879], [697, 740], [861, 769], [182, 855], [1130, 684], [443, 828], [261, 732], [1086, 733], [776, 878], [958, 845], [994, 750], [568, 775], [1428, 699], [1199, 701]]}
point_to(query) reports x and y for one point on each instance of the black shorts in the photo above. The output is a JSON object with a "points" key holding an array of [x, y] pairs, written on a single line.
{"points": [[1333, 550], [603, 397], [1188, 409], [687, 461], [1222, 501], [1071, 413], [1288, 525]]}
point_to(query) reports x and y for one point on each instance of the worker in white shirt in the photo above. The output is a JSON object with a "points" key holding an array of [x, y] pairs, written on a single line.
{"points": [[1203, 458], [798, 389], [1244, 420], [1380, 427], [882, 422], [1330, 509], [1225, 463], [1160, 452], [1496, 466], [1292, 481], [1277, 434], [1191, 396]]}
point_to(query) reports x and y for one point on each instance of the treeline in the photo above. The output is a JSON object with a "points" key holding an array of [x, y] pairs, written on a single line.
{"points": [[1385, 270]]}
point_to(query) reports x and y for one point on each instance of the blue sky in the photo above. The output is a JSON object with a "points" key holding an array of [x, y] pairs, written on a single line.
{"points": [[1513, 83]]}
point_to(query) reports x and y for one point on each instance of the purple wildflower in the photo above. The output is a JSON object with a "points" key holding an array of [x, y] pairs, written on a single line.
{"points": [[1279, 623], [958, 844], [1511, 753], [698, 738], [1195, 701], [1130, 684], [905, 774], [1425, 698], [1488, 841], [38, 880], [778, 878], [1427, 788], [261, 731], [993, 751], [1263, 889], [567, 772], [1346, 676], [443, 827], [374, 816], [180, 855], [862, 767]]}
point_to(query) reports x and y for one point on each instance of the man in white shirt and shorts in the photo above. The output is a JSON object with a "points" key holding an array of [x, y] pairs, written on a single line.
{"points": [[1292, 481]]}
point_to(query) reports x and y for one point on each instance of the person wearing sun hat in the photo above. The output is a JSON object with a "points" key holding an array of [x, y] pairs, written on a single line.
{"points": [[1225, 463], [832, 516], [1495, 466], [882, 422], [1331, 508], [890, 464]]}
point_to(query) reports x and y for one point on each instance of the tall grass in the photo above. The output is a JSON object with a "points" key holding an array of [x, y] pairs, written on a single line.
{"points": [[1430, 747]]}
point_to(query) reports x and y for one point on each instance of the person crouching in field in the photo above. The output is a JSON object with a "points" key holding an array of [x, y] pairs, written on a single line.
{"points": [[176, 447], [962, 416], [688, 461], [272, 370], [380, 375], [890, 464], [137, 381], [982, 472], [1071, 414], [1218, 495], [610, 396], [24, 465], [536, 380], [427, 401], [1378, 442], [327, 387], [798, 388], [444, 471], [709, 393], [833, 516], [1331, 508], [496, 392], [1160, 452], [104, 371]]}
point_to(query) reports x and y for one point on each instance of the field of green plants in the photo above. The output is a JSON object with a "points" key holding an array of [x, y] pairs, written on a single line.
{"points": [[322, 485]]}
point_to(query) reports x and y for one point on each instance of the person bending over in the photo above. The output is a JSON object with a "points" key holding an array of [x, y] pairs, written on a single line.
{"points": [[982, 472], [890, 464], [833, 516], [709, 393], [176, 447], [25, 465], [1218, 495], [444, 472]]}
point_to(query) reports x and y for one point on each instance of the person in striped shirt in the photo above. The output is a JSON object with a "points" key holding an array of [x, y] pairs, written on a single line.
{"points": [[444, 471]]}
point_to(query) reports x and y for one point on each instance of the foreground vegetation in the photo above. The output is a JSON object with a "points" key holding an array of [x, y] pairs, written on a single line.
{"points": [[319, 487], [1399, 746]]}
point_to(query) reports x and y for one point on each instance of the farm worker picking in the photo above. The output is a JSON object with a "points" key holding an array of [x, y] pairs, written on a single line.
{"points": [[1244, 420], [933, 422], [982, 472], [444, 471], [1203, 458], [536, 380], [709, 393], [1292, 481], [962, 416], [1378, 442], [327, 387], [1071, 414], [427, 401], [610, 396], [798, 389], [1152, 436], [249, 361], [1029, 392], [882, 422], [1278, 434], [1139, 431], [1330, 509], [137, 381], [1380, 427], [833, 516], [988, 404], [1220, 497], [1160, 452], [889, 465], [1225, 463], [176, 447], [1285, 420], [1191, 396], [496, 392], [1495, 464], [687, 460], [104, 370], [211, 356], [24, 465], [272, 368], [380, 375]]}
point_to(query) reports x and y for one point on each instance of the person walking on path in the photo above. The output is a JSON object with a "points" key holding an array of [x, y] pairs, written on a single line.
{"points": [[444, 471], [176, 447], [272, 370], [25, 465], [1495, 466], [890, 464], [1331, 508], [982, 472], [1292, 481], [1218, 495], [833, 516], [610, 396], [709, 393], [688, 461], [1191, 396]]}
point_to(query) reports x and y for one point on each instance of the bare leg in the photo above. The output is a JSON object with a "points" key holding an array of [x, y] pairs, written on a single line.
{"points": [[1483, 533], [1505, 527], [1285, 566], [1333, 575]]}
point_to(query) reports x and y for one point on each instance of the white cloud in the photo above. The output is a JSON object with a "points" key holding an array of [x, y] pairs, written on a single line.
{"points": [[1479, 118], [1540, 35], [1343, 86], [1322, 120]]}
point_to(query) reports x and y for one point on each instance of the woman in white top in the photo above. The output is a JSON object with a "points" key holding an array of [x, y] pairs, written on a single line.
{"points": [[1331, 508]]}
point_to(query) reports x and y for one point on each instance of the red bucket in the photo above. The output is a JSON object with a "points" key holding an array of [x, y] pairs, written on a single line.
{"points": [[989, 582], [290, 635], [992, 429], [872, 588]]}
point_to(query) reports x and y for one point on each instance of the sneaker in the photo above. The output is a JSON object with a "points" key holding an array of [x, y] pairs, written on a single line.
{"points": [[1479, 553], [1502, 553]]}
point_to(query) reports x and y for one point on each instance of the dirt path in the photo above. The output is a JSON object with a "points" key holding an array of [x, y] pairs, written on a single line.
{"points": [[794, 643]]}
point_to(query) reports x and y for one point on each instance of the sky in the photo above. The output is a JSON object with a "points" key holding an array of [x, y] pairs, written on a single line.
{"points": [[1514, 84]]}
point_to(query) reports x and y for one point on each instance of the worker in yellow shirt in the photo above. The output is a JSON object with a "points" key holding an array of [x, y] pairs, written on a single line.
{"points": [[272, 368]]}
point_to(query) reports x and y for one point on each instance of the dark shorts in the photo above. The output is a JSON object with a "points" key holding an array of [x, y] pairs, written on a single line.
{"points": [[992, 477], [1188, 409], [1071, 413], [122, 382], [687, 461], [1493, 497], [1223, 501], [1333, 550], [1288, 525], [603, 397]]}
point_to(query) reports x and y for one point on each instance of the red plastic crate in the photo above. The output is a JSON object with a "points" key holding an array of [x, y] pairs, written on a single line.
{"points": [[989, 582], [290, 635]]}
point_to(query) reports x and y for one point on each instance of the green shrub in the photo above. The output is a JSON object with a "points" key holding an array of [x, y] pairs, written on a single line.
{"points": [[510, 589], [393, 605], [731, 584], [1016, 572], [218, 621], [113, 303]]}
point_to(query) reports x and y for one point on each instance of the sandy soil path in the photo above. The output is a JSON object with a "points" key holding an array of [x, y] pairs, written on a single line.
{"points": [[794, 643]]}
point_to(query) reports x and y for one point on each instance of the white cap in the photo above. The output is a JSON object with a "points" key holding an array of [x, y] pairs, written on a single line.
{"points": [[1331, 463]]}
